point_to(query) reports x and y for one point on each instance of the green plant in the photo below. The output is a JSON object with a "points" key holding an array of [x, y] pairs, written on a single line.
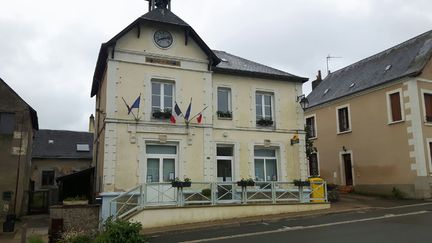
{"points": [[187, 180], [77, 198], [206, 192], [265, 122], [396, 193], [35, 239], [121, 231], [224, 114], [162, 114]]}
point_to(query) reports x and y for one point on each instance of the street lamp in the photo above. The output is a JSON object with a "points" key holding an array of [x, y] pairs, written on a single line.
{"points": [[304, 102]]}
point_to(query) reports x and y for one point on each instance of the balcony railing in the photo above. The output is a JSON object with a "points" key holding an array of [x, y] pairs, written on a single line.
{"points": [[150, 195]]}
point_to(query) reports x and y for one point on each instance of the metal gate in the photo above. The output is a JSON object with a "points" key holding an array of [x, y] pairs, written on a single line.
{"points": [[38, 202]]}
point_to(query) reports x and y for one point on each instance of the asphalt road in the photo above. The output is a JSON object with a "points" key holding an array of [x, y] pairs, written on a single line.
{"points": [[409, 223]]}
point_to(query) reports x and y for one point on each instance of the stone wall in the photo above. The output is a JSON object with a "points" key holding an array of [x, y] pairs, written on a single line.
{"points": [[76, 217]]}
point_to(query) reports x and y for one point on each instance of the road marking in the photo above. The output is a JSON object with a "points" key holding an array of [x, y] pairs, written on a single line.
{"points": [[286, 228], [406, 206]]}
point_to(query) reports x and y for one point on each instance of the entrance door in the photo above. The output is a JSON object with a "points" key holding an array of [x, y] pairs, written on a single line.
{"points": [[224, 170], [346, 158], [224, 159]]}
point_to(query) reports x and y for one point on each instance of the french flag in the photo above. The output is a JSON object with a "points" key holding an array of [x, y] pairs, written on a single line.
{"points": [[175, 113]]}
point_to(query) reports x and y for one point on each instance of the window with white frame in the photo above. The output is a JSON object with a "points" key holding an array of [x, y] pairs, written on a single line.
{"points": [[264, 108], [224, 103], [265, 164], [311, 126], [394, 106], [343, 119], [161, 163], [162, 98]]}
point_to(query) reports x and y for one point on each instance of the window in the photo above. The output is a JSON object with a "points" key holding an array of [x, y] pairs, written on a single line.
{"points": [[343, 119], [224, 162], [264, 109], [224, 103], [265, 164], [161, 163], [83, 148], [7, 123], [311, 125], [162, 99], [428, 106], [313, 165], [48, 177], [395, 113]]}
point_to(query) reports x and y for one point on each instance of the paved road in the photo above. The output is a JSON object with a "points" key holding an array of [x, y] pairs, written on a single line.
{"points": [[409, 223]]}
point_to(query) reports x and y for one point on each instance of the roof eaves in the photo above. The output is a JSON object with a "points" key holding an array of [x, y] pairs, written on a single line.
{"points": [[259, 75]]}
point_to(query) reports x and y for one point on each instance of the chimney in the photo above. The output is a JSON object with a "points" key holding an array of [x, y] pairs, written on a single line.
{"points": [[317, 81], [91, 123]]}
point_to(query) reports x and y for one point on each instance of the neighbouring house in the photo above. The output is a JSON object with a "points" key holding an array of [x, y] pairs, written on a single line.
{"points": [[372, 121], [58, 153], [18, 122], [168, 106]]}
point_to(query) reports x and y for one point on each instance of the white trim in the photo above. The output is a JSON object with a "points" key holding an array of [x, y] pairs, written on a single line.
{"points": [[389, 109], [231, 158], [161, 157], [162, 83], [342, 167], [423, 92], [349, 119], [272, 107], [428, 142], [315, 124]]}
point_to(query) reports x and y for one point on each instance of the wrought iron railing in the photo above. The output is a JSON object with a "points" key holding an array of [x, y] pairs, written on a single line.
{"points": [[215, 193]]}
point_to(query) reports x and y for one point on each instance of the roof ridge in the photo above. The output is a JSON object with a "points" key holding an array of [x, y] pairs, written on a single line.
{"points": [[381, 52], [56, 130]]}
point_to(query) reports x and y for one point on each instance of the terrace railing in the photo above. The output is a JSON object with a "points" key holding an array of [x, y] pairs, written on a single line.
{"points": [[150, 195]]}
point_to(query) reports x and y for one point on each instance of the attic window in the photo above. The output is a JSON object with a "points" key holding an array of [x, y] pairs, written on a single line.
{"points": [[388, 67], [352, 85], [326, 91], [224, 60], [50, 141], [83, 148]]}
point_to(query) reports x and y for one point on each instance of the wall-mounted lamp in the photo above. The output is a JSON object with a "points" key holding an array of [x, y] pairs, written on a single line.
{"points": [[344, 148], [304, 102], [295, 140]]}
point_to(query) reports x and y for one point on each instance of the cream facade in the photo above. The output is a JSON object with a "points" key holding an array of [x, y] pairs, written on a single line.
{"points": [[132, 151], [387, 144]]}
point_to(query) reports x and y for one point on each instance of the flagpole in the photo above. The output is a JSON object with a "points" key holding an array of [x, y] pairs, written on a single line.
{"points": [[129, 108], [198, 113]]}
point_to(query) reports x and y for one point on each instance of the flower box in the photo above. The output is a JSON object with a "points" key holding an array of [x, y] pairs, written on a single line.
{"points": [[181, 184], [245, 183], [265, 122], [301, 183], [76, 202]]}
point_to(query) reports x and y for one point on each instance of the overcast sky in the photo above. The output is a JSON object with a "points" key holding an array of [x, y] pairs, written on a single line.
{"points": [[48, 48]]}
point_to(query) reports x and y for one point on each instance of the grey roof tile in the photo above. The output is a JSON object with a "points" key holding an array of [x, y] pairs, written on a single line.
{"points": [[406, 59], [234, 64], [64, 144]]}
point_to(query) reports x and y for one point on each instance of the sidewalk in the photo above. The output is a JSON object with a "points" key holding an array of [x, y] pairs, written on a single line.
{"points": [[30, 225], [347, 203]]}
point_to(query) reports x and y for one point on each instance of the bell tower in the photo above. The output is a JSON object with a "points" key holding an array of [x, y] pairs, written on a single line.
{"points": [[164, 4]]}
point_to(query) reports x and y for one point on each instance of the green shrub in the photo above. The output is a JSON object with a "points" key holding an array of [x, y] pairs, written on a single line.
{"points": [[121, 231], [35, 239], [206, 192], [396, 193]]}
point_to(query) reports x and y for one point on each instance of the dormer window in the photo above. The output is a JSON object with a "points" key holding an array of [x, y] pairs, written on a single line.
{"points": [[83, 148]]}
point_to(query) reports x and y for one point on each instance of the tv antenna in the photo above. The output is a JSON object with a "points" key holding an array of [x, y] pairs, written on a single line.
{"points": [[328, 60]]}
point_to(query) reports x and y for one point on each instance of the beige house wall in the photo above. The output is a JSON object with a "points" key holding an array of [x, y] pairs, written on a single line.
{"points": [[60, 167], [122, 146], [380, 150]]}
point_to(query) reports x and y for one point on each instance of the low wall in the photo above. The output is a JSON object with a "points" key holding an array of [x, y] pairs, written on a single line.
{"points": [[162, 217], [76, 217]]}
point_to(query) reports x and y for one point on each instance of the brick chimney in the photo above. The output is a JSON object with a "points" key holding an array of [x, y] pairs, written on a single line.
{"points": [[317, 81], [91, 123]]}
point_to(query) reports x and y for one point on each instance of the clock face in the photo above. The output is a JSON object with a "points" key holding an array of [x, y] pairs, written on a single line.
{"points": [[163, 38]]}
